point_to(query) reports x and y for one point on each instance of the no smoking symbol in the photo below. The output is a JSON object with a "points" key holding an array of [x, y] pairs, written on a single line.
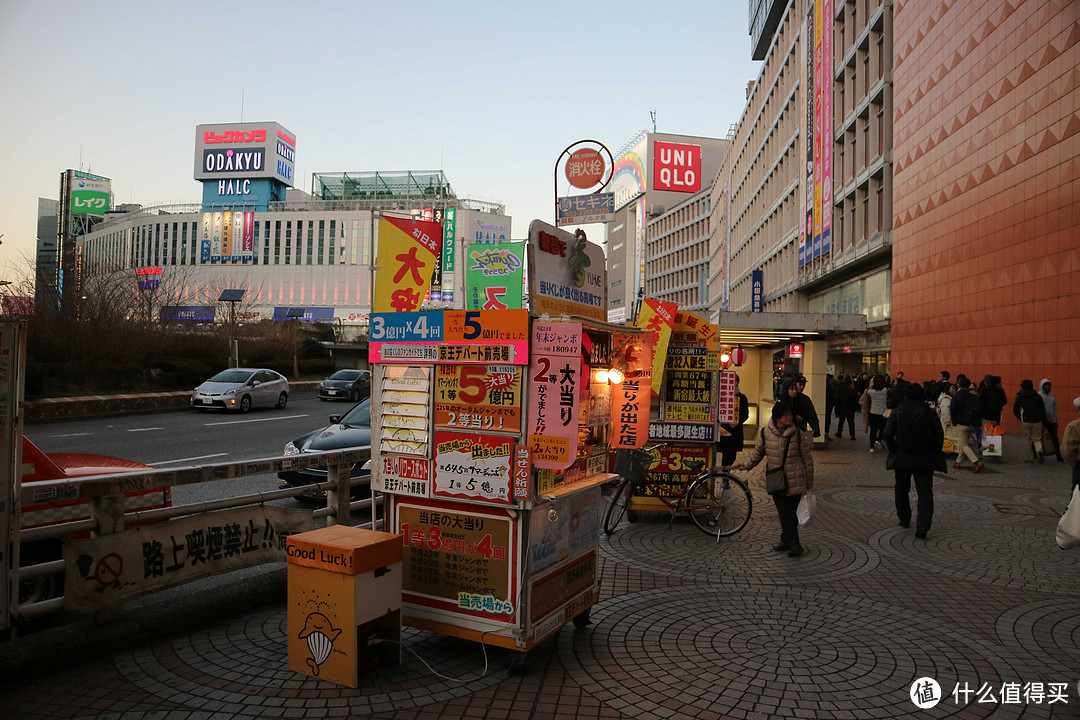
{"points": [[108, 569]]}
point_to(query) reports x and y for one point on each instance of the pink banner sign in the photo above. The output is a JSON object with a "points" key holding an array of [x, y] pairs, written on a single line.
{"points": [[554, 387]]}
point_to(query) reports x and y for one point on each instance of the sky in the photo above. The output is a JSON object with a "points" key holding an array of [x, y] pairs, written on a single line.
{"points": [[491, 93]]}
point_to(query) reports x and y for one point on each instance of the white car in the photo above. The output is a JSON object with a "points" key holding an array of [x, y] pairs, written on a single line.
{"points": [[242, 389]]}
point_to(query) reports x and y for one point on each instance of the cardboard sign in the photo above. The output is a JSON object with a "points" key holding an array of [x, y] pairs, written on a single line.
{"points": [[689, 386], [567, 274], [404, 475], [494, 276], [728, 409], [458, 558], [554, 382], [478, 397], [473, 467]]}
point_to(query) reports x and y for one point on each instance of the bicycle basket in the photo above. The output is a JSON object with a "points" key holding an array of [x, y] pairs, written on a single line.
{"points": [[633, 464]]}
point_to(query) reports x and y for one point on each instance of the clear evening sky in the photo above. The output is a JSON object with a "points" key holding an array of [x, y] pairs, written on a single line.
{"points": [[489, 92]]}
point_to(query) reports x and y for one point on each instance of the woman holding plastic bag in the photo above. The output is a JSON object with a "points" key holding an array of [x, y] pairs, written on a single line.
{"points": [[790, 468], [1068, 530], [914, 436]]}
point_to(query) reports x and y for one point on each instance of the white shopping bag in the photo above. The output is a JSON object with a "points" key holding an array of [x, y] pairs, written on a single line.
{"points": [[807, 507], [1068, 529]]}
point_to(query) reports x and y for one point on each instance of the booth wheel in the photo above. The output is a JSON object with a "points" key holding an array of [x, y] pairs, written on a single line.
{"points": [[632, 516], [582, 620]]}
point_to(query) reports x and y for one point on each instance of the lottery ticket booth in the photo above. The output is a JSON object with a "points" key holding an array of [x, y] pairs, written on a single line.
{"points": [[490, 438], [691, 395]]}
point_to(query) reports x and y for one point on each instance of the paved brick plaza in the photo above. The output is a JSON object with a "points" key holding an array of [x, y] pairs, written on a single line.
{"points": [[688, 628]]}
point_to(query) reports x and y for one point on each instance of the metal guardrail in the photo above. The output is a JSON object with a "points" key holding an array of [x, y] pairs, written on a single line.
{"points": [[107, 516]]}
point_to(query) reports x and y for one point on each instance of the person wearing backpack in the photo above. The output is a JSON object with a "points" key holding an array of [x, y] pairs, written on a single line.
{"points": [[967, 419], [914, 437]]}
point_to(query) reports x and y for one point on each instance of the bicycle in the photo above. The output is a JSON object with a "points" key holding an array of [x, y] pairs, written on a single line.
{"points": [[718, 502]]}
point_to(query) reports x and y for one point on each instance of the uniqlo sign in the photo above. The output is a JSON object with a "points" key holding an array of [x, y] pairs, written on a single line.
{"points": [[676, 167]]}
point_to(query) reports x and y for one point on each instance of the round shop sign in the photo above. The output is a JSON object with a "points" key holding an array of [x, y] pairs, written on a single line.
{"points": [[585, 168]]}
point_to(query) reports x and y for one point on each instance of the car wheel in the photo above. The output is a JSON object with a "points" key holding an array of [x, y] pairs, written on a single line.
{"points": [[282, 399], [245, 403]]}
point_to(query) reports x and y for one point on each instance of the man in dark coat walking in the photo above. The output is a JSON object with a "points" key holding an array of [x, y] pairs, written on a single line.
{"points": [[1031, 412], [914, 437]]}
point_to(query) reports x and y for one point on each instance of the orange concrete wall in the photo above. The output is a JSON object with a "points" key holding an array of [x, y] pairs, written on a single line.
{"points": [[986, 256]]}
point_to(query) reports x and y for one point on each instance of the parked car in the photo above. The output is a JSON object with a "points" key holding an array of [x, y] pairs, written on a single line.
{"points": [[242, 389], [37, 466], [351, 385], [353, 429]]}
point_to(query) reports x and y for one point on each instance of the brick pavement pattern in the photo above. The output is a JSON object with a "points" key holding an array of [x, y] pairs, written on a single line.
{"points": [[690, 628]]}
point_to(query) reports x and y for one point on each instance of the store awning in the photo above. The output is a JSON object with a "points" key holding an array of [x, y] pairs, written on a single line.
{"points": [[751, 329]]}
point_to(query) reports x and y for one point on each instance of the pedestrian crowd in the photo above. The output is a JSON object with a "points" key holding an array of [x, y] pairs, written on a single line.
{"points": [[915, 423]]}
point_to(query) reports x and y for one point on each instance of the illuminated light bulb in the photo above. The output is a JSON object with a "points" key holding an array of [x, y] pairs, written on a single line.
{"points": [[615, 376], [602, 376]]}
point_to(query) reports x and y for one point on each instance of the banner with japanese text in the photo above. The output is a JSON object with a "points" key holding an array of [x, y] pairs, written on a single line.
{"points": [[494, 276], [554, 381], [691, 329], [658, 318], [458, 558], [406, 261], [113, 568], [473, 467], [478, 397], [630, 412]]}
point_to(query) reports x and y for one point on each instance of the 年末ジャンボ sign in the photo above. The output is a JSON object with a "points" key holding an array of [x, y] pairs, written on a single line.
{"points": [[478, 397], [473, 467], [113, 568], [554, 385], [458, 558], [407, 252], [567, 274]]}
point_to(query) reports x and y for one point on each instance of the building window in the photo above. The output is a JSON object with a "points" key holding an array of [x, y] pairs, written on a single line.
{"points": [[310, 230], [277, 242], [322, 229]]}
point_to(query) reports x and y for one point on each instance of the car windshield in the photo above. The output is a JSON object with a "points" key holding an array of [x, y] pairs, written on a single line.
{"points": [[359, 415], [231, 376], [345, 375]]}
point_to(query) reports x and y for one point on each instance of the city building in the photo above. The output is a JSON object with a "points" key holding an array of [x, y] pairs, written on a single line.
{"points": [[801, 215], [987, 202], [47, 266], [677, 254], [654, 172], [286, 248]]}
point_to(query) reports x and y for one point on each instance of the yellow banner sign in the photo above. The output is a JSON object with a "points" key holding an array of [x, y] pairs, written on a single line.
{"points": [[658, 318], [478, 397], [689, 413], [407, 253]]}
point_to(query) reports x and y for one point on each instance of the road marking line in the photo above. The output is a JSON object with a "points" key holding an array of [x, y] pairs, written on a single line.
{"points": [[197, 457], [144, 429], [237, 422], [71, 435]]}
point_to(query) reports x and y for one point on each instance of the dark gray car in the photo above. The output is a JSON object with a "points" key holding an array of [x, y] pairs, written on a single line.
{"points": [[351, 385], [351, 430]]}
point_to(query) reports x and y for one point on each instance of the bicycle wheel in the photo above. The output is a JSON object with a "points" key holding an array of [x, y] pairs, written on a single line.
{"points": [[617, 507], [719, 504]]}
